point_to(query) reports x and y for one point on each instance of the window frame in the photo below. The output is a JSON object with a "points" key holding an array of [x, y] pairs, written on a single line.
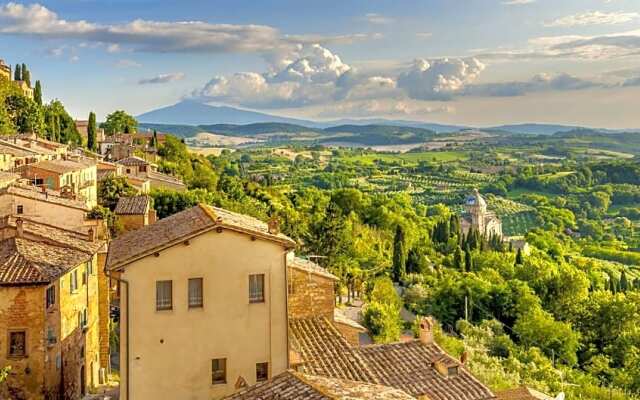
{"points": [[160, 307], [20, 209], [223, 362], [24, 353], [252, 298], [73, 281], [50, 297], [199, 304], [259, 376]]}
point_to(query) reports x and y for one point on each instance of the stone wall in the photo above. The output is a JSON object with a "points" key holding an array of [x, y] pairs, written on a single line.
{"points": [[310, 295], [132, 222], [104, 312]]}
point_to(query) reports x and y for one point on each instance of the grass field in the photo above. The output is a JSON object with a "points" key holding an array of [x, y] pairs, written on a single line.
{"points": [[440, 156]]}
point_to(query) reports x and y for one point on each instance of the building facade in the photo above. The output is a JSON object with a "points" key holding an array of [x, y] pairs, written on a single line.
{"points": [[49, 311], [203, 305], [76, 179], [478, 218]]}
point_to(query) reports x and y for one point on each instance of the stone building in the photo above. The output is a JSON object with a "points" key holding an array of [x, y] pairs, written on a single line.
{"points": [[134, 212], [478, 218], [136, 167], [5, 70], [74, 178], [204, 289], [49, 310]]}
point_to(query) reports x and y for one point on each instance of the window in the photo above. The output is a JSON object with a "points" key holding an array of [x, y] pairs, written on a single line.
{"points": [[90, 267], [17, 344], [51, 296], [84, 277], [73, 281], [256, 288], [219, 371], [452, 371], [195, 292], [51, 336], [20, 209], [262, 372], [164, 295]]}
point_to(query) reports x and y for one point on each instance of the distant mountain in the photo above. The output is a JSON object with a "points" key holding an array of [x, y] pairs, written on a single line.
{"points": [[535, 129], [257, 129], [188, 112], [437, 128]]}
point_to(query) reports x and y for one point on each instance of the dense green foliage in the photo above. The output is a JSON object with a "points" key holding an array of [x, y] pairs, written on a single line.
{"points": [[119, 122]]}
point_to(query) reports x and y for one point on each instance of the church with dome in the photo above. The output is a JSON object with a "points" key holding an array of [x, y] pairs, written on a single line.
{"points": [[477, 217]]}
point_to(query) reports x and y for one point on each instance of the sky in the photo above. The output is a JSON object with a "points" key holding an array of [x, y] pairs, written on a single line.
{"points": [[471, 62]]}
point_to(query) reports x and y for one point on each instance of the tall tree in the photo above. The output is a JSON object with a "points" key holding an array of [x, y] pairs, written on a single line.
{"points": [[26, 75], [399, 255], [91, 132], [458, 260], [17, 74], [519, 258], [468, 260], [624, 282], [119, 122], [37, 93]]}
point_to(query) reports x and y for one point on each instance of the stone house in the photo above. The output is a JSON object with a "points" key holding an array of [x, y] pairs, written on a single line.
{"points": [[134, 212], [139, 168], [478, 218], [205, 290], [76, 179], [49, 310], [5, 70]]}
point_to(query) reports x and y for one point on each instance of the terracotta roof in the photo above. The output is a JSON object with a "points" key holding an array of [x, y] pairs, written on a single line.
{"points": [[310, 266], [36, 193], [183, 225], [15, 150], [408, 366], [135, 205], [522, 393], [326, 352], [42, 253], [159, 176], [292, 385], [133, 161], [60, 166]]}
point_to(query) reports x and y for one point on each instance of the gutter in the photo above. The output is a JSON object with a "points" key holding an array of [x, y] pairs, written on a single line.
{"points": [[107, 272]]}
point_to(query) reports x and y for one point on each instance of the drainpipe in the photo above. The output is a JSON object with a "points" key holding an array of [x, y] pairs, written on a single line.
{"points": [[286, 304], [126, 283]]}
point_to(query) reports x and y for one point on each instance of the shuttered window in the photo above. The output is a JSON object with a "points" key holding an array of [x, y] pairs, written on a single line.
{"points": [[219, 371], [164, 295], [256, 288], [195, 293]]}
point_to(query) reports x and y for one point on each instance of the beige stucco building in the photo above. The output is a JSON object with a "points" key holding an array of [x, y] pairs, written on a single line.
{"points": [[203, 304], [138, 168]]}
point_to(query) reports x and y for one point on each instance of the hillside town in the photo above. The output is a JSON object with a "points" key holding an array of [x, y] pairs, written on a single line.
{"points": [[272, 202]]}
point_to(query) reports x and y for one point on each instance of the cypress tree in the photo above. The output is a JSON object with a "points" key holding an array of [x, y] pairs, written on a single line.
{"points": [[399, 256], [26, 75], [454, 225], [37, 93], [91, 132], [624, 283], [17, 74], [519, 259], [468, 260], [458, 259]]}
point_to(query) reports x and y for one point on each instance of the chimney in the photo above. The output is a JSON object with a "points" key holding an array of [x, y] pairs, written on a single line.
{"points": [[273, 226], [426, 330], [464, 357], [19, 227]]}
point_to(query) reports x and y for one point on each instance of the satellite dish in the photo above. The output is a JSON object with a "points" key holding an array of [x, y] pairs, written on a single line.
{"points": [[560, 396]]}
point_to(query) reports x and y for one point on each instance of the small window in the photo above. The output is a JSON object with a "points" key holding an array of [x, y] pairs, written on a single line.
{"points": [[73, 281], [51, 296], [20, 209], [452, 371], [219, 371], [262, 372], [256, 288], [164, 295], [195, 293], [84, 277], [17, 344], [51, 336], [90, 267]]}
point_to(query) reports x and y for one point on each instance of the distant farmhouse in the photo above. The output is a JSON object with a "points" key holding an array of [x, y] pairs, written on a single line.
{"points": [[5, 72], [478, 218]]}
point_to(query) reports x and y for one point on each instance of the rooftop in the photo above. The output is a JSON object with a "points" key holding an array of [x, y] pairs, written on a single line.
{"points": [[183, 225], [133, 161], [311, 267], [36, 193], [135, 205], [292, 385], [41, 253], [408, 366], [61, 166], [522, 393]]}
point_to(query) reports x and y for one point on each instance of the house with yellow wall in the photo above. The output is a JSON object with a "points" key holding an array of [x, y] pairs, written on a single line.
{"points": [[205, 290], [49, 310], [74, 178], [5, 70]]}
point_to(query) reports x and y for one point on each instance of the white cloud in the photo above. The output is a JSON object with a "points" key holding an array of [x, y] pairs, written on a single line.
{"points": [[379, 19], [161, 37], [517, 2], [162, 78], [125, 63], [594, 18], [539, 83], [439, 79]]}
